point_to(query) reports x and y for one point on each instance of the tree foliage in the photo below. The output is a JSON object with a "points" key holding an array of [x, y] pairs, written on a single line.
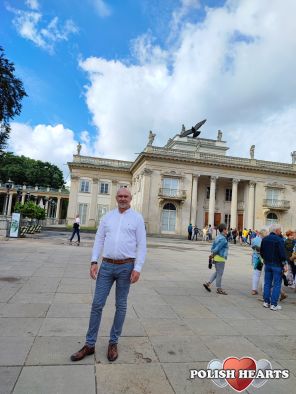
{"points": [[30, 210], [11, 95], [21, 169]]}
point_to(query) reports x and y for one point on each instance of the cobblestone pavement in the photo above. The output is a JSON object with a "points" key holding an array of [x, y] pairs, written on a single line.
{"points": [[172, 325]]}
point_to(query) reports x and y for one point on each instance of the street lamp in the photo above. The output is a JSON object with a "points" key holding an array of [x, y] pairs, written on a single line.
{"points": [[8, 186]]}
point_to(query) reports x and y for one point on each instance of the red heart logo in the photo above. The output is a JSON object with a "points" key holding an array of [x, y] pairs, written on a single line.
{"points": [[246, 363]]}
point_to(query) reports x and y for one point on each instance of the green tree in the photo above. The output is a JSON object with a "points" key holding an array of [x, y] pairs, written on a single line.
{"points": [[11, 95], [22, 170], [30, 210]]}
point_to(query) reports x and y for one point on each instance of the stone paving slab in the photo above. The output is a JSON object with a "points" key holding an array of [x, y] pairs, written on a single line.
{"points": [[56, 351], [181, 349], [59, 327], [126, 378], [226, 346], [14, 350], [160, 311], [24, 310], [8, 378], [68, 310], [19, 326], [166, 327], [213, 326], [56, 379], [32, 298]]}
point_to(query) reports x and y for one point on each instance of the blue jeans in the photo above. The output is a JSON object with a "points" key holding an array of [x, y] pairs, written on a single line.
{"points": [[108, 273], [272, 279], [75, 231]]}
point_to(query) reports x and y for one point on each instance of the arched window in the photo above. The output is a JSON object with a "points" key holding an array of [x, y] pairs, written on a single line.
{"points": [[168, 218], [271, 218]]}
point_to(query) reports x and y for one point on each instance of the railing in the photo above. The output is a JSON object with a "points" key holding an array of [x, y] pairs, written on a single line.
{"points": [[231, 160], [276, 204], [33, 189], [102, 162], [172, 193]]}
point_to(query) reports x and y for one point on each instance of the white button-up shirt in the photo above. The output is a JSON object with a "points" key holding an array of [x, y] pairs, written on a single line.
{"points": [[121, 236]]}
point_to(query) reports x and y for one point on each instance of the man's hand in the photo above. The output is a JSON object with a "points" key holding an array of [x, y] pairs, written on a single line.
{"points": [[286, 268], [93, 271], [135, 276]]}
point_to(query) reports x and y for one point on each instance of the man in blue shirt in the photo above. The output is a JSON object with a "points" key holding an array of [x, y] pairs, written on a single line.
{"points": [[274, 255]]}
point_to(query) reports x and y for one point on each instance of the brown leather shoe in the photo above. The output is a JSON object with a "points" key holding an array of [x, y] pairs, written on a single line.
{"points": [[85, 351], [112, 353]]}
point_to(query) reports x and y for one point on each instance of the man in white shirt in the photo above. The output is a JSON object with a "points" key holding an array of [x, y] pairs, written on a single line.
{"points": [[121, 239]]}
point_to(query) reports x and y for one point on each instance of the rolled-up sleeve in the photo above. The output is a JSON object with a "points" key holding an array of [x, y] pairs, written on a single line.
{"points": [[141, 244]]}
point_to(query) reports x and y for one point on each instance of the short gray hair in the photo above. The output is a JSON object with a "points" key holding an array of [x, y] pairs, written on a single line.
{"points": [[263, 232], [274, 227]]}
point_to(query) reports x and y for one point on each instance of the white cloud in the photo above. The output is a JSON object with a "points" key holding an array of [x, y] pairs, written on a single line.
{"points": [[236, 68], [54, 144], [102, 8], [33, 4], [32, 26]]}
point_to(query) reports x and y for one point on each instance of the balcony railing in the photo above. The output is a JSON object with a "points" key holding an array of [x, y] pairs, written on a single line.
{"points": [[276, 204], [175, 194]]}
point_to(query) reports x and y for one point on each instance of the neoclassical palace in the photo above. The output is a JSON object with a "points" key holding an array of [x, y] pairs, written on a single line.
{"points": [[189, 180]]}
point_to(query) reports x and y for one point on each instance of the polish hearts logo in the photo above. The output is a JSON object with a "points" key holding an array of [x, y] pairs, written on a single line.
{"points": [[244, 364], [239, 373]]}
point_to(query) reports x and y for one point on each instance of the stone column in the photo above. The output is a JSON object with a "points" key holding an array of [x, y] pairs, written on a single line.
{"points": [[23, 197], [251, 205], [46, 206], [9, 204], [113, 194], [92, 221], [233, 218], [146, 195], [58, 208], [72, 207], [212, 200], [194, 200]]}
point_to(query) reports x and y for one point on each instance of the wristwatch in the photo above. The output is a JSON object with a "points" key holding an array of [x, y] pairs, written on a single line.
{"points": [[93, 262]]}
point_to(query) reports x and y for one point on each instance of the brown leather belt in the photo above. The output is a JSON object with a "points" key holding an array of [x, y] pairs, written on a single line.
{"points": [[123, 261]]}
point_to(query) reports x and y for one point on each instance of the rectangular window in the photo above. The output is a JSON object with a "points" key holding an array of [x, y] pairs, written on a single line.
{"points": [[228, 194], [170, 186], [273, 194], [104, 188], [102, 210], [208, 193], [227, 218], [84, 186], [82, 209]]}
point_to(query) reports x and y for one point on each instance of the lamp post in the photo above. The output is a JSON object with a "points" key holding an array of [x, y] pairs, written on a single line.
{"points": [[8, 186]]}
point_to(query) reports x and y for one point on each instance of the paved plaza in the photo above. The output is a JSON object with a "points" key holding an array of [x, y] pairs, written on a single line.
{"points": [[172, 325]]}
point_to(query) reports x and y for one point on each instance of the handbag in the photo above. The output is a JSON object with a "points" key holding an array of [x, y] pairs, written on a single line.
{"points": [[210, 265], [258, 265]]}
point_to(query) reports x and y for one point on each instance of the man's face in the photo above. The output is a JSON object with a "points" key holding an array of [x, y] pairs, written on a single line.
{"points": [[278, 231], [123, 199]]}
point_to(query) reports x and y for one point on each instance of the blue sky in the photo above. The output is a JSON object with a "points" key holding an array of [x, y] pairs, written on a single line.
{"points": [[106, 72]]}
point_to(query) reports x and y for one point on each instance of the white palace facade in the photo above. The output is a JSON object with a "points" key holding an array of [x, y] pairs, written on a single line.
{"points": [[189, 180]]}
